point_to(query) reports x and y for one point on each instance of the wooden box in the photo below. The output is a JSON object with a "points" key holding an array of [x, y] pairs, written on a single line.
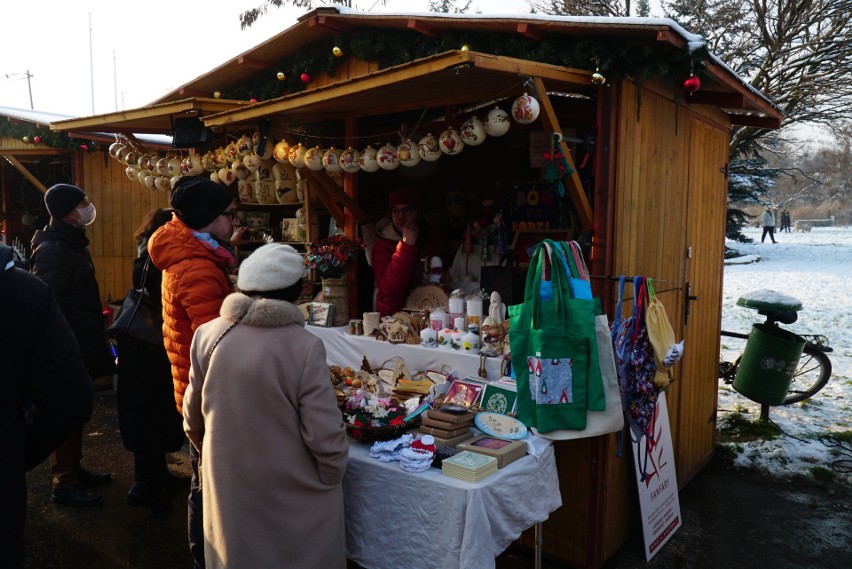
{"points": [[506, 452]]}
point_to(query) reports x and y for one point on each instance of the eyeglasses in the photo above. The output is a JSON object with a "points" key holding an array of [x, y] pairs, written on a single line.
{"points": [[230, 214], [401, 210]]}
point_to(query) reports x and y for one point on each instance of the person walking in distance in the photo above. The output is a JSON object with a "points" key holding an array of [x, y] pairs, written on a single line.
{"points": [[768, 223], [194, 254], [45, 393], [61, 259]]}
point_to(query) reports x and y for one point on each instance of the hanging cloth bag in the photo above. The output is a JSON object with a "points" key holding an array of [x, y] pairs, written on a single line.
{"points": [[666, 351], [642, 392], [551, 344]]}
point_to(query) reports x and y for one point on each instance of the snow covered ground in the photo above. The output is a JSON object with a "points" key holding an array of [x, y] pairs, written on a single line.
{"points": [[816, 268]]}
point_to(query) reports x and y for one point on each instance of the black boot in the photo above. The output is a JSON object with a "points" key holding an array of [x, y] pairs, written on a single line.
{"points": [[148, 496]]}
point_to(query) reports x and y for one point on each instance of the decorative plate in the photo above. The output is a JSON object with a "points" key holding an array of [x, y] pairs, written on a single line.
{"points": [[426, 297], [500, 426]]}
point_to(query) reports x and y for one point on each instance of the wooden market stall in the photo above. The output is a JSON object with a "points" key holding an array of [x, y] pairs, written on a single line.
{"points": [[646, 192]]}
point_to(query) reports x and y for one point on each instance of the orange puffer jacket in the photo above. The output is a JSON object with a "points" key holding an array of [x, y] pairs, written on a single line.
{"points": [[195, 283]]}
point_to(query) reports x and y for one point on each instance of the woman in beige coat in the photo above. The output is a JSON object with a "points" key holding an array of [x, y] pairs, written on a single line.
{"points": [[264, 418]]}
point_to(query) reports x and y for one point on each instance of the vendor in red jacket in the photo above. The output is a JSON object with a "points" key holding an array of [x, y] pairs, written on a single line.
{"points": [[403, 239]]}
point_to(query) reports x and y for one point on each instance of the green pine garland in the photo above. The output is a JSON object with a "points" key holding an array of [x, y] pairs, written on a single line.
{"points": [[14, 128], [614, 58]]}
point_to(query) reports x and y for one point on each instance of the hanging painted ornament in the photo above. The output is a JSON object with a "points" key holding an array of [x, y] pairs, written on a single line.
{"points": [[349, 161], [281, 151], [691, 84], [150, 180], [280, 75], [174, 167], [367, 159], [331, 160], [194, 166], [161, 167], [598, 79], [305, 78], [113, 149], [174, 179], [129, 156], [252, 162], [525, 109], [497, 123], [232, 152], [226, 176], [473, 132], [428, 148], [465, 47], [296, 157], [408, 154], [140, 175], [131, 172], [161, 183], [244, 146], [450, 142], [313, 158], [387, 157], [220, 158], [337, 52]]}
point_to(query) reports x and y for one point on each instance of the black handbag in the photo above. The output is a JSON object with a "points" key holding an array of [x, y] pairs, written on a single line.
{"points": [[140, 318]]}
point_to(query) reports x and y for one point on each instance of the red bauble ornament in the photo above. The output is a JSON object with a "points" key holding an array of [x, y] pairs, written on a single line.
{"points": [[305, 77], [692, 84], [37, 139], [252, 100], [83, 147]]}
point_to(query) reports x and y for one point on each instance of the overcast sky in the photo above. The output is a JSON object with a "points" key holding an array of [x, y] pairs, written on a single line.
{"points": [[139, 50]]}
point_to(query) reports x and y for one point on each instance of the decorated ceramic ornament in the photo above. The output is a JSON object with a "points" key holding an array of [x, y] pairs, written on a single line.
{"points": [[220, 159], [313, 158], [473, 132], [450, 142], [195, 166], [173, 180], [691, 84], [240, 170], [115, 149], [174, 166], [408, 154], [349, 161], [161, 183], [331, 160], [232, 152], [428, 148], [227, 176], [285, 183], [131, 172], [525, 109], [149, 181], [144, 162], [131, 157], [387, 157], [296, 157], [244, 146], [140, 175], [245, 189], [252, 162], [367, 159], [497, 123], [208, 162], [214, 177], [281, 151], [161, 167]]}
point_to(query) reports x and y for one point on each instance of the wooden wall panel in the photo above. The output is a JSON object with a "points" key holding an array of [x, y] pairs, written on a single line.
{"points": [[122, 205]]}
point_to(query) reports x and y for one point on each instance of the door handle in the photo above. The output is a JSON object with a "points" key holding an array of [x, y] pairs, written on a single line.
{"points": [[688, 297]]}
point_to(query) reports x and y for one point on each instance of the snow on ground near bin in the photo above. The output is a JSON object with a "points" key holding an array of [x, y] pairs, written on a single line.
{"points": [[816, 268]]}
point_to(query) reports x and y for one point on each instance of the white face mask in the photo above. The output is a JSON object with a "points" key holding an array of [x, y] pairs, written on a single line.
{"points": [[86, 215]]}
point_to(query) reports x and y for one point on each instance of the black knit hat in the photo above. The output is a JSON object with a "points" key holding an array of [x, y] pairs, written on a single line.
{"points": [[61, 199], [198, 200]]}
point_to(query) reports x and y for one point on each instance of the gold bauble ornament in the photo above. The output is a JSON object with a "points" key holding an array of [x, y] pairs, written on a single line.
{"points": [[465, 47], [26, 140], [598, 79], [216, 94], [280, 75], [337, 51]]}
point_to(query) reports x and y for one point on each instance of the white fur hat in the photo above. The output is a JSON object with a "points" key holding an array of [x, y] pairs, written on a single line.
{"points": [[273, 266]]}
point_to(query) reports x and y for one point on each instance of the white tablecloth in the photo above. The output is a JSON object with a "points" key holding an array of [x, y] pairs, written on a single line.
{"points": [[345, 349], [427, 520]]}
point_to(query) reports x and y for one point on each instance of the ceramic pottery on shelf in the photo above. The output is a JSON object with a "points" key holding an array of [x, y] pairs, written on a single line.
{"points": [[525, 109], [497, 122]]}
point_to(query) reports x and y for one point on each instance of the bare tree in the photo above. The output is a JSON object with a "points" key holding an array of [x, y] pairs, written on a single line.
{"points": [[249, 17], [582, 7]]}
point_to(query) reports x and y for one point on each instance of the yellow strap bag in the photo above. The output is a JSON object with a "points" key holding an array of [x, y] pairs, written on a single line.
{"points": [[667, 351]]}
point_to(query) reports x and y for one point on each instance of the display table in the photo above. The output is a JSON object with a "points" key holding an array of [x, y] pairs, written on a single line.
{"points": [[344, 349], [427, 520]]}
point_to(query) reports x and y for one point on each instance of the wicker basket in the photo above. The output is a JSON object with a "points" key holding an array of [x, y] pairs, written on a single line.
{"points": [[386, 433]]}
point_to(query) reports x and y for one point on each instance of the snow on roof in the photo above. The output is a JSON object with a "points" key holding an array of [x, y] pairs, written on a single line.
{"points": [[39, 117]]}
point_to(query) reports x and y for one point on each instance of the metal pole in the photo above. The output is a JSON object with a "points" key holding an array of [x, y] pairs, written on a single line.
{"points": [[114, 80], [30, 87], [539, 540], [91, 64]]}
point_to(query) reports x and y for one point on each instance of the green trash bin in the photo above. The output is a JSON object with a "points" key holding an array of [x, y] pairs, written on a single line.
{"points": [[769, 361]]}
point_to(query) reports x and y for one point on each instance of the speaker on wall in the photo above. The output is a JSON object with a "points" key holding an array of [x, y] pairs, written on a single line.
{"points": [[190, 132]]}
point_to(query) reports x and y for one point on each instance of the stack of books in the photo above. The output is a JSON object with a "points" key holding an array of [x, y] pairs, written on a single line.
{"points": [[469, 466], [449, 429]]}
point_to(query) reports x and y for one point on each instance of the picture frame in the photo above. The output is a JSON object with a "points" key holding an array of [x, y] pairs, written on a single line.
{"points": [[254, 218], [463, 393], [290, 230], [321, 314], [499, 398]]}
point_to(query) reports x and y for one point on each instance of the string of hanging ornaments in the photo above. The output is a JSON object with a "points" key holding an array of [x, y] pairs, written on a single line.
{"points": [[272, 174]]}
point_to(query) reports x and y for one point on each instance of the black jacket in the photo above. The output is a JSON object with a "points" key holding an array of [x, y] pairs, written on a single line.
{"points": [[61, 259], [45, 391]]}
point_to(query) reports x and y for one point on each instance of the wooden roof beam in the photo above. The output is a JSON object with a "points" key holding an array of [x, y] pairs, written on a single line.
{"points": [[574, 186], [755, 121], [423, 28], [25, 173], [718, 99], [530, 31], [186, 92], [253, 63], [668, 36], [330, 23]]}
